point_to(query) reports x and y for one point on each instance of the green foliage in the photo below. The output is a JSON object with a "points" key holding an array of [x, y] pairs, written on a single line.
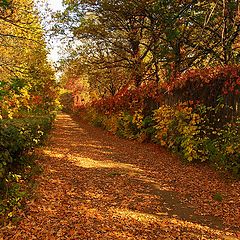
{"points": [[227, 148], [146, 129], [127, 128], [16, 187], [96, 118], [178, 129], [18, 136], [4, 4], [124, 124]]}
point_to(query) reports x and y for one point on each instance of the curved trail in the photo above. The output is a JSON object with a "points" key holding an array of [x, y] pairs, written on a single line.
{"points": [[97, 186]]}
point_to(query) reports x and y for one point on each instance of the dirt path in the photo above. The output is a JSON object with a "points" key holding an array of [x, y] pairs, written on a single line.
{"points": [[97, 186]]}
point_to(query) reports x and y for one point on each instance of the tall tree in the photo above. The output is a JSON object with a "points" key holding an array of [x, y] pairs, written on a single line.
{"points": [[115, 28], [25, 72]]}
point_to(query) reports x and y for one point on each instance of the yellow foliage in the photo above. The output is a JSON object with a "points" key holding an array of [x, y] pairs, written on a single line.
{"points": [[177, 127], [138, 118], [111, 123]]}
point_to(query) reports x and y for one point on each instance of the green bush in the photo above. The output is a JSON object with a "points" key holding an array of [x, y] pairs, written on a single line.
{"points": [[227, 148], [18, 136], [179, 129]]}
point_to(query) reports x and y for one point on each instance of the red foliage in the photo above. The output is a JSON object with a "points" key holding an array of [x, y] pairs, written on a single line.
{"points": [[195, 85], [131, 99], [226, 78]]}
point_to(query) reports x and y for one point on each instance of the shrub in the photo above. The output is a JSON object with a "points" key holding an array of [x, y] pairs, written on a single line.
{"points": [[18, 136], [111, 123], [179, 129], [127, 128], [227, 148], [189, 131], [96, 119]]}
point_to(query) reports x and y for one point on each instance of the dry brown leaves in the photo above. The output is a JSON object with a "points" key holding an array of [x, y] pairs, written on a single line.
{"points": [[97, 186]]}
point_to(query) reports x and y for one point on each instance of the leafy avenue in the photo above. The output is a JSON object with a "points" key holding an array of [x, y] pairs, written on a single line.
{"points": [[164, 73]]}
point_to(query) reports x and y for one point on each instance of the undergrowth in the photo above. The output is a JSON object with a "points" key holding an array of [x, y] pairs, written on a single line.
{"points": [[17, 188]]}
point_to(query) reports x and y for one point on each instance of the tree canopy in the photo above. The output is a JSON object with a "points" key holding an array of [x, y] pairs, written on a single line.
{"points": [[149, 40], [26, 77]]}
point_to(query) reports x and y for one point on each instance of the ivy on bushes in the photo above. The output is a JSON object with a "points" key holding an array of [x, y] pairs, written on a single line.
{"points": [[145, 97]]}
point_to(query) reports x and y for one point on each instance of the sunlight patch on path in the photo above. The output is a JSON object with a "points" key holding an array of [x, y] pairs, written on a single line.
{"points": [[165, 222], [55, 154], [91, 163]]}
